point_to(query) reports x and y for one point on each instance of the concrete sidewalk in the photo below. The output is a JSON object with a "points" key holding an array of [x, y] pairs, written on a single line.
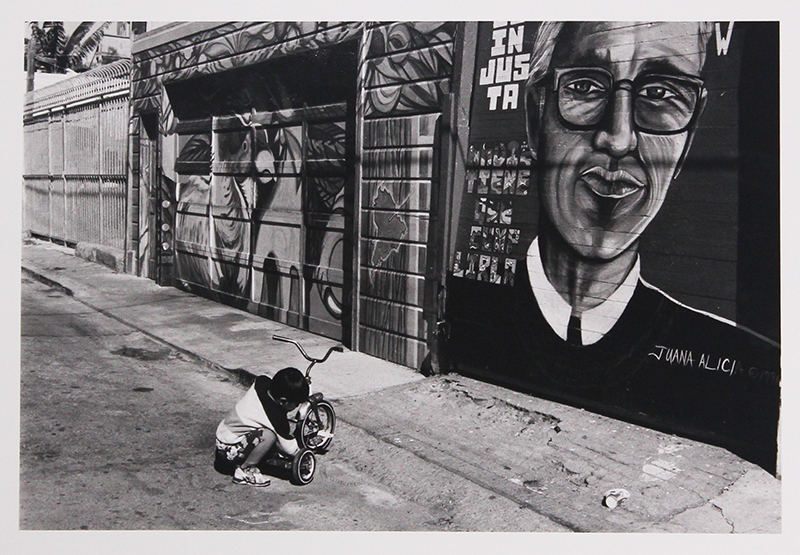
{"points": [[219, 335], [553, 459]]}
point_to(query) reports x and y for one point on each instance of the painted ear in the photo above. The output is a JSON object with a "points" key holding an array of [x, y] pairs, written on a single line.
{"points": [[701, 106], [534, 106]]}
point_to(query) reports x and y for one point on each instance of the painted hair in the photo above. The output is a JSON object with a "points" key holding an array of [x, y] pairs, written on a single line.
{"points": [[549, 32]]}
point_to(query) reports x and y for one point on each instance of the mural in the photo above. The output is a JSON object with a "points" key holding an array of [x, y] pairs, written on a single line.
{"points": [[548, 292], [258, 159], [614, 231], [229, 46], [265, 228], [273, 180], [406, 73], [395, 78]]}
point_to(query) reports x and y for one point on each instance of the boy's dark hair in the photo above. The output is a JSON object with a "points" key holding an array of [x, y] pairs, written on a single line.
{"points": [[290, 384]]}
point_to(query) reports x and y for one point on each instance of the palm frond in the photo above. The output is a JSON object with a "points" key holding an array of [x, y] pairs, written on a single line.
{"points": [[82, 43], [37, 32], [49, 43], [54, 37]]}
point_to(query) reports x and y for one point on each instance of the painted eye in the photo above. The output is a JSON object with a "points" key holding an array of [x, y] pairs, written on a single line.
{"points": [[584, 87], [656, 92]]}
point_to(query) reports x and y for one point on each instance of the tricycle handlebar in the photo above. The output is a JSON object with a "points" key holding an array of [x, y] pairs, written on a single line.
{"points": [[312, 360]]}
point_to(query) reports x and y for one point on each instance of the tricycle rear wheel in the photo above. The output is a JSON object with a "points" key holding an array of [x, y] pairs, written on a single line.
{"points": [[303, 466]]}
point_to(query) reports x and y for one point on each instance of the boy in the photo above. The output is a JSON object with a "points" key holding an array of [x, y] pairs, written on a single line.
{"points": [[257, 423]]}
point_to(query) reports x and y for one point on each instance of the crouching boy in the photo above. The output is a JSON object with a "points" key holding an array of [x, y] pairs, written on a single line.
{"points": [[258, 423]]}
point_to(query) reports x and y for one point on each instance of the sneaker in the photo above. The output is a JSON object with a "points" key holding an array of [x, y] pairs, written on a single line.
{"points": [[250, 476]]}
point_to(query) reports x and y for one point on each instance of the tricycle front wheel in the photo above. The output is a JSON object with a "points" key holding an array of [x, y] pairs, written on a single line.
{"points": [[316, 429]]}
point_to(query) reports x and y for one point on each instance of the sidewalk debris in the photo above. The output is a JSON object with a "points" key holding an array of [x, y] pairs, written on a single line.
{"points": [[614, 497]]}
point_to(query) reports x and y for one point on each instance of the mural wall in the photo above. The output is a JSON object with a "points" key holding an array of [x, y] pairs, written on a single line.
{"points": [[255, 186], [604, 254], [265, 228], [261, 126], [407, 70], [616, 231]]}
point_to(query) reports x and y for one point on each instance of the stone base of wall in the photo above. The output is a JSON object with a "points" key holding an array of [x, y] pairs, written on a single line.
{"points": [[108, 256]]}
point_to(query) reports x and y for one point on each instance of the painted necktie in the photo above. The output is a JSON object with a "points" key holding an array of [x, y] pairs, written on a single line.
{"points": [[574, 331]]}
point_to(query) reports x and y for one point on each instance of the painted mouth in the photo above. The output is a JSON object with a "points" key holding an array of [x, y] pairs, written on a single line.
{"points": [[615, 184]]}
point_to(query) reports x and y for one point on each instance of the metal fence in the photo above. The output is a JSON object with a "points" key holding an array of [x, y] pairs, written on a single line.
{"points": [[75, 177]]}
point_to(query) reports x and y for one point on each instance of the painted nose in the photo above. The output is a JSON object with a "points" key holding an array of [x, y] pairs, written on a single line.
{"points": [[617, 137]]}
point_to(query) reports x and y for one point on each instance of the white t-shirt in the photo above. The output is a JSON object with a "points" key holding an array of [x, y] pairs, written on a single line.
{"points": [[249, 415]]}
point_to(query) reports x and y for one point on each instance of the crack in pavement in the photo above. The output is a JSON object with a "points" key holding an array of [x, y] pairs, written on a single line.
{"points": [[727, 520], [523, 504]]}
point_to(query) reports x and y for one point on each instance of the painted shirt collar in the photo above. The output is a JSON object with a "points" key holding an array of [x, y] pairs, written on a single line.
{"points": [[595, 322]]}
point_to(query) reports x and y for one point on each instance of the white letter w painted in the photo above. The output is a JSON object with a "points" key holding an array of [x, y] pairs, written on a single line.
{"points": [[723, 42]]}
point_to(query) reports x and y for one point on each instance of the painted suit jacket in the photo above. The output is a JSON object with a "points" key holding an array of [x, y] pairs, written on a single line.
{"points": [[662, 365]]}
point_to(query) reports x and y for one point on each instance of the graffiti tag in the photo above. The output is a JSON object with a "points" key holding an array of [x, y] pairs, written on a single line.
{"points": [[726, 365]]}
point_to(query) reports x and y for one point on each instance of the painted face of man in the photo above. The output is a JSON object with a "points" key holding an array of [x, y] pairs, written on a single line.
{"points": [[614, 127]]}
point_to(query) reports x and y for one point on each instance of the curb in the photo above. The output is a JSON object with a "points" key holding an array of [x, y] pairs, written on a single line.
{"points": [[47, 281], [101, 254], [243, 377]]}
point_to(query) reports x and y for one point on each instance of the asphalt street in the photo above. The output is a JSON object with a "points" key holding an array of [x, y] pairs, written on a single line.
{"points": [[117, 433]]}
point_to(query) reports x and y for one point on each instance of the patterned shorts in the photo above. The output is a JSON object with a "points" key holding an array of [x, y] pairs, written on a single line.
{"points": [[237, 452]]}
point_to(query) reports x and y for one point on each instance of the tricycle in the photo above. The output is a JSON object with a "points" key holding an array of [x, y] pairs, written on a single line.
{"points": [[314, 421]]}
